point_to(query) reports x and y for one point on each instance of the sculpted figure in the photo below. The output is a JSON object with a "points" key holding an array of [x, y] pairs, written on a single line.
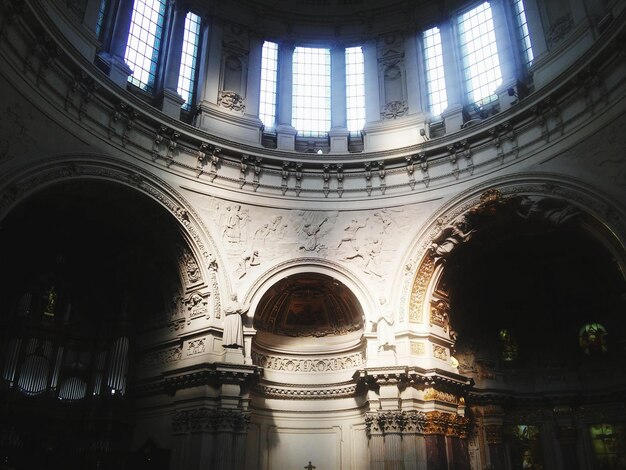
{"points": [[311, 231], [350, 233], [232, 229], [452, 236], [248, 258], [233, 324], [385, 326]]}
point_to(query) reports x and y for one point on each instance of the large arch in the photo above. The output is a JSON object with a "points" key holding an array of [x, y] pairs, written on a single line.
{"points": [[500, 403]]}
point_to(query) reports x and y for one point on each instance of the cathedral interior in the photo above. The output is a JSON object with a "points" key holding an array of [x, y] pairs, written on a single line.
{"points": [[320, 234]]}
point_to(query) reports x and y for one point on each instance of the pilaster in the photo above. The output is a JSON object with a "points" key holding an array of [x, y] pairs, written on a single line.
{"points": [[453, 114], [171, 99], [339, 131], [285, 132], [119, 71]]}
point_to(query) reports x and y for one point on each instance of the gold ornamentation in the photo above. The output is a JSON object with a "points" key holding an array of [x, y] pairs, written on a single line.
{"points": [[440, 352], [418, 348], [418, 291]]}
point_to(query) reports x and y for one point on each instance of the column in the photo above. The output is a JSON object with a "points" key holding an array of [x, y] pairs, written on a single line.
{"points": [[90, 18], [495, 446], [535, 29], [285, 132], [372, 87], [211, 72], [414, 98], [119, 71], [453, 114], [171, 100], [339, 115], [508, 53], [436, 455], [253, 85]]}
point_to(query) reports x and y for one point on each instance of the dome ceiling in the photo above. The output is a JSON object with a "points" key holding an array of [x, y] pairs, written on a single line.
{"points": [[308, 304]]}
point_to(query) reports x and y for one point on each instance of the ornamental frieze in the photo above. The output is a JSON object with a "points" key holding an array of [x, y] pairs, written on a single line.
{"points": [[307, 365], [411, 422], [210, 420]]}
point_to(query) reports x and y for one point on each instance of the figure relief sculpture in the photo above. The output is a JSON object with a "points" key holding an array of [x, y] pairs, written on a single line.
{"points": [[372, 260], [248, 259], [385, 326], [444, 244], [439, 314], [310, 230], [232, 228], [349, 234], [233, 323]]}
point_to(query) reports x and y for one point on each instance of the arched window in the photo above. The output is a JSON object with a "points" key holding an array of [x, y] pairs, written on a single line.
{"points": [[188, 61], [144, 42], [311, 91], [479, 54]]}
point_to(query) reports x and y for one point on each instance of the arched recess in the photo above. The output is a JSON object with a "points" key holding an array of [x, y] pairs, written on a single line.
{"points": [[196, 236], [309, 321], [101, 265], [552, 200]]}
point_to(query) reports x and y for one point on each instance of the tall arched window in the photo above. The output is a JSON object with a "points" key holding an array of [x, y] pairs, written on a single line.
{"points": [[144, 42], [479, 55], [311, 91]]}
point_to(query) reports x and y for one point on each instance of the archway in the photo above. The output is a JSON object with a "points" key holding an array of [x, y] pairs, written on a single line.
{"points": [[309, 343], [91, 268], [530, 290]]}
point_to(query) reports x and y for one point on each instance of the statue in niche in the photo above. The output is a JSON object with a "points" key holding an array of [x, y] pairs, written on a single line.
{"points": [[385, 326], [350, 233], [248, 259], [444, 244], [310, 230], [233, 323], [232, 228]]}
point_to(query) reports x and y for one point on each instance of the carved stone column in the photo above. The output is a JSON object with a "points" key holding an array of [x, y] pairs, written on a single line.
{"points": [[285, 132], [376, 441]]}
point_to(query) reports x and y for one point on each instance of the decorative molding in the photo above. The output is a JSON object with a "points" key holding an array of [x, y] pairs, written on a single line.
{"points": [[302, 392], [416, 422], [160, 357], [321, 364], [394, 110], [210, 420], [418, 348], [440, 352], [231, 100]]}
